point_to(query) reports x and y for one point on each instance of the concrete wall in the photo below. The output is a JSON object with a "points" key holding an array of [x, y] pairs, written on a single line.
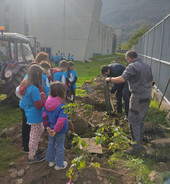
{"points": [[71, 26]]}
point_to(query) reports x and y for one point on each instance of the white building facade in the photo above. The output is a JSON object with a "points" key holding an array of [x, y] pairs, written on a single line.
{"points": [[71, 26]]}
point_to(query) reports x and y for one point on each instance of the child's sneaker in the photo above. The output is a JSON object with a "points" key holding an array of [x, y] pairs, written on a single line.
{"points": [[39, 152], [36, 159], [59, 168], [25, 151], [51, 164]]}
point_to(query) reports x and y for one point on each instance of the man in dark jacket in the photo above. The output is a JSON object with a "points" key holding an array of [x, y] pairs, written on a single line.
{"points": [[121, 90]]}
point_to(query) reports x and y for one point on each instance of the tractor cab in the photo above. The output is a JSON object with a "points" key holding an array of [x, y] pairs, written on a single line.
{"points": [[14, 46], [15, 55]]}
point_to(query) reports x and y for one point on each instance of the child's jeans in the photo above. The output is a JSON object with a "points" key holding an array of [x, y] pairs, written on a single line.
{"points": [[55, 151], [35, 135]]}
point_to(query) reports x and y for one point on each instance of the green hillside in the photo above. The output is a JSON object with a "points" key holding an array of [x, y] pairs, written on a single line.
{"points": [[129, 15]]}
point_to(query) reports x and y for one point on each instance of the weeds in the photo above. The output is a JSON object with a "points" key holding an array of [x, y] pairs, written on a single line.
{"points": [[8, 153], [10, 116], [140, 170], [156, 115], [112, 138]]}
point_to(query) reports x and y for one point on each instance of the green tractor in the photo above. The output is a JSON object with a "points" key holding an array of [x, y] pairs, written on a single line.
{"points": [[16, 53]]}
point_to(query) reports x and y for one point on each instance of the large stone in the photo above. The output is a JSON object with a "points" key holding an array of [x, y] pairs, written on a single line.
{"points": [[150, 152], [19, 181], [11, 131], [155, 177], [12, 164], [21, 173], [163, 166], [11, 170], [14, 174], [4, 132], [161, 143]]}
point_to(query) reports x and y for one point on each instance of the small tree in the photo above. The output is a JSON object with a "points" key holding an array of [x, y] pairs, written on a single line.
{"points": [[137, 34], [135, 37]]}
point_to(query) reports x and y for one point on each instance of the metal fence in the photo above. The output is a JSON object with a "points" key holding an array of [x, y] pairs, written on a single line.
{"points": [[154, 49]]}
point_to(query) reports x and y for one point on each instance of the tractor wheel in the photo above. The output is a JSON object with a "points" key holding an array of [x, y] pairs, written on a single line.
{"points": [[11, 87]]}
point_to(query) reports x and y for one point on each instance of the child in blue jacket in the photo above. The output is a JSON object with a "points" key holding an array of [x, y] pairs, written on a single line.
{"points": [[33, 99], [71, 79], [56, 123], [46, 73], [60, 75]]}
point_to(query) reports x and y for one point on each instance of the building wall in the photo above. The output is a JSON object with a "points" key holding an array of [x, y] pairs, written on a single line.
{"points": [[71, 26]]}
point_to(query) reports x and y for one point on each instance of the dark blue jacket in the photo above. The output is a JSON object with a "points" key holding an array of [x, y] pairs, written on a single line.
{"points": [[116, 70]]}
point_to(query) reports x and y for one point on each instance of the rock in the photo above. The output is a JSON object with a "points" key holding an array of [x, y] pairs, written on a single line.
{"points": [[150, 152], [100, 178], [98, 172], [12, 164], [11, 170], [163, 166], [19, 181], [4, 132], [161, 143], [69, 133], [14, 174], [21, 173], [105, 181], [27, 167], [155, 177], [11, 131]]}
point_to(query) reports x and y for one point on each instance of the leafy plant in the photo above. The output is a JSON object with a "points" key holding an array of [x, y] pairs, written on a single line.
{"points": [[69, 108], [140, 170], [3, 97], [88, 107], [81, 92], [82, 161], [111, 137]]}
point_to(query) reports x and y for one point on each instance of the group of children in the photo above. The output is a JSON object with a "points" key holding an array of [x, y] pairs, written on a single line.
{"points": [[59, 57], [42, 96]]}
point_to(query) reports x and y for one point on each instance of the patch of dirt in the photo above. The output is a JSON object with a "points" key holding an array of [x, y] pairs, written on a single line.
{"points": [[84, 119]]}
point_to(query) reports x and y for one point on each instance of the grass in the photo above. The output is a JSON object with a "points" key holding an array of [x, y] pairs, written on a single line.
{"points": [[8, 153], [156, 115], [10, 115], [86, 71], [141, 169]]}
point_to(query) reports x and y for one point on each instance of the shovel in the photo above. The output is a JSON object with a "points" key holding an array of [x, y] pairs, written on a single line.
{"points": [[109, 105]]}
